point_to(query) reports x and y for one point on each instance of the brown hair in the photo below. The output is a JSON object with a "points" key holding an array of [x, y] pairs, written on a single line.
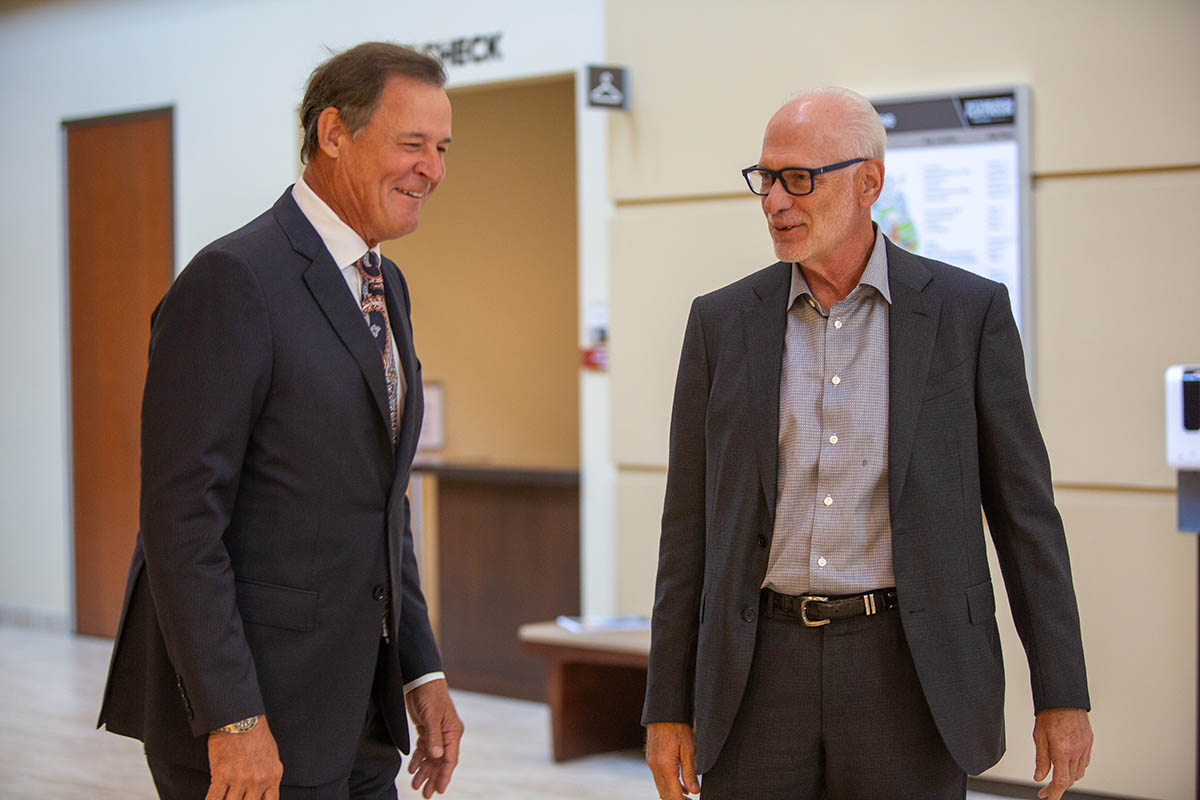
{"points": [[352, 82]]}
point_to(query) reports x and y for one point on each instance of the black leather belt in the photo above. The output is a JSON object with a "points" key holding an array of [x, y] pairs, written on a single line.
{"points": [[817, 610]]}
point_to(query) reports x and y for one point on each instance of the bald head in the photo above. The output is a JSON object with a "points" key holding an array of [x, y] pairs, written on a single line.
{"points": [[832, 115]]}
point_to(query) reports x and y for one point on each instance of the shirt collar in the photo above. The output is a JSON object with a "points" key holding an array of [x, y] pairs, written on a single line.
{"points": [[340, 239], [875, 274]]}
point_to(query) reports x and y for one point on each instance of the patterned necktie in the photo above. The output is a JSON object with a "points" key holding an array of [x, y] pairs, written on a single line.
{"points": [[374, 311]]}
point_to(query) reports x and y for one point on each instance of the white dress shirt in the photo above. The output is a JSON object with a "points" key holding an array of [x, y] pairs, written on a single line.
{"points": [[346, 247]]}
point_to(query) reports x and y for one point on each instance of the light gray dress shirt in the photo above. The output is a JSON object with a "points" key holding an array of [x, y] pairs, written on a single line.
{"points": [[833, 531]]}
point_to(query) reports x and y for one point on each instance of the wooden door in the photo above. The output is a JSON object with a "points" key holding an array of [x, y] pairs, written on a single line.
{"points": [[120, 254]]}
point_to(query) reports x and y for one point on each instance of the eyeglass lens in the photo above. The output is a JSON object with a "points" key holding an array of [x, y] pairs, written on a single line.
{"points": [[795, 181]]}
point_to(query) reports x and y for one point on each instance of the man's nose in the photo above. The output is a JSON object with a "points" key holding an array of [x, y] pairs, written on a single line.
{"points": [[432, 166], [777, 198]]}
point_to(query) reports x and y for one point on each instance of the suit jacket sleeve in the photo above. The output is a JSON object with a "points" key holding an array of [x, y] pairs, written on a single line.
{"points": [[677, 602], [210, 362], [1025, 525]]}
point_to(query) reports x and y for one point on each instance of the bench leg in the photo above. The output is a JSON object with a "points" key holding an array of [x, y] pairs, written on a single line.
{"points": [[594, 708]]}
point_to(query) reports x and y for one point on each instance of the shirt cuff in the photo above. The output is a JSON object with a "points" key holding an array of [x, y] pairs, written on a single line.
{"points": [[424, 679]]}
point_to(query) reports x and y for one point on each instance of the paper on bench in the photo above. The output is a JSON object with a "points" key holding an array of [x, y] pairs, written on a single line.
{"points": [[597, 624]]}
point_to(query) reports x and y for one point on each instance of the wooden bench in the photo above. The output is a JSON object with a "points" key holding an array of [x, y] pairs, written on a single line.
{"points": [[595, 686]]}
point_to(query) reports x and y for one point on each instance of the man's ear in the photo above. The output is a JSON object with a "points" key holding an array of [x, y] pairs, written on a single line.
{"points": [[870, 182], [331, 132]]}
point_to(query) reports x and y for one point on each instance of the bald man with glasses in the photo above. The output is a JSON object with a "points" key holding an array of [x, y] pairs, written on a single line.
{"points": [[824, 619]]}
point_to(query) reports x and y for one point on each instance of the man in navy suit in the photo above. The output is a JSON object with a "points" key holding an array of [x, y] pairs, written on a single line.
{"points": [[274, 628], [824, 619]]}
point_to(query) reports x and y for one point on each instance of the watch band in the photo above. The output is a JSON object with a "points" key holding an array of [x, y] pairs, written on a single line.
{"points": [[241, 726]]}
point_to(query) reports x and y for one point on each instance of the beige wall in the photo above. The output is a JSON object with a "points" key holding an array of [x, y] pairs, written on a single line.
{"points": [[1116, 155], [493, 277]]}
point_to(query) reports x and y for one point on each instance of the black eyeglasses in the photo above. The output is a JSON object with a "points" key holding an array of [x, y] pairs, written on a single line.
{"points": [[797, 181]]}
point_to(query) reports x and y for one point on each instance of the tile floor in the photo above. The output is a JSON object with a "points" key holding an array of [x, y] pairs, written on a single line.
{"points": [[50, 686]]}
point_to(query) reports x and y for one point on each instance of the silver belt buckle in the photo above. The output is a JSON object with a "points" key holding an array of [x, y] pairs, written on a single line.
{"points": [[811, 623]]}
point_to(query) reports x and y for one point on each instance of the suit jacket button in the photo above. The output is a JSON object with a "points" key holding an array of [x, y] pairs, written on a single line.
{"points": [[749, 614], [762, 540], [378, 594]]}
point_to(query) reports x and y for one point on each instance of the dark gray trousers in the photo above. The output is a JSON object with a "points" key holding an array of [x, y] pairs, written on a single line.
{"points": [[833, 713]]}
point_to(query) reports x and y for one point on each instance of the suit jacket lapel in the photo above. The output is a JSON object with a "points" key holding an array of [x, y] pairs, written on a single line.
{"points": [[765, 322], [328, 288], [912, 328]]}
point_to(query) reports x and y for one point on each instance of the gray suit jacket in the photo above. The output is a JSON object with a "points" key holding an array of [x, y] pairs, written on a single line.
{"points": [[272, 510], [962, 435]]}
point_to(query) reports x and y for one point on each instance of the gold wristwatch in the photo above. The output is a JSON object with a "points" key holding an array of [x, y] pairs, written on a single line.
{"points": [[241, 726]]}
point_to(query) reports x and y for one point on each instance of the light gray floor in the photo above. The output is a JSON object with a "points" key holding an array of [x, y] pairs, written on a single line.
{"points": [[50, 687]]}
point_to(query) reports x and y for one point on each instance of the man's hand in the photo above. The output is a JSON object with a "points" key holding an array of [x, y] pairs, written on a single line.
{"points": [[1063, 738], [671, 754], [438, 732], [244, 765]]}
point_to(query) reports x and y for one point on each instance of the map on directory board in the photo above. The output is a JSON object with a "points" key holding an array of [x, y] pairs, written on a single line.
{"points": [[956, 183]]}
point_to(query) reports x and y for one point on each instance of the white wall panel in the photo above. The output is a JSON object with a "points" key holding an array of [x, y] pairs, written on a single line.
{"points": [[639, 515]]}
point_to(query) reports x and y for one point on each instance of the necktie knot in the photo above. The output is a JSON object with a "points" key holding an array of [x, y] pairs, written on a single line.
{"points": [[369, 264], [372, 279]]}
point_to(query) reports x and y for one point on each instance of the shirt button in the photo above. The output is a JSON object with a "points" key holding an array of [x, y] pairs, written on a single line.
{"points": [[828, 500], [749, 614], [833, 439], [837, 323], [836, 380], [821, 561], [378, 593]]}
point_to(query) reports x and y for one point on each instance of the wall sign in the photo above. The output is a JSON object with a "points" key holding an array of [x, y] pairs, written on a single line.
{"points": [[957, 183], [464, 50], [433, 423], [608, 87]]}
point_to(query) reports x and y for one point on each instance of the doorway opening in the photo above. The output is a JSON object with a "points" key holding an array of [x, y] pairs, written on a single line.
{"points": [[493, 272]]}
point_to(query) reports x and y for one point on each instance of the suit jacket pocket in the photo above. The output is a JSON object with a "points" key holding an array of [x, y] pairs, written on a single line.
{"points": [[277, 606], [981, 603], [942, 383]]}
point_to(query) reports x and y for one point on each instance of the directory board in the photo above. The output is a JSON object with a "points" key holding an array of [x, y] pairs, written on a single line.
{"points": [[956, 184]]}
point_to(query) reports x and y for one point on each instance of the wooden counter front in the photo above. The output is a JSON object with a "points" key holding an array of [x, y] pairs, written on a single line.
{"points": [[507, 551]]}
